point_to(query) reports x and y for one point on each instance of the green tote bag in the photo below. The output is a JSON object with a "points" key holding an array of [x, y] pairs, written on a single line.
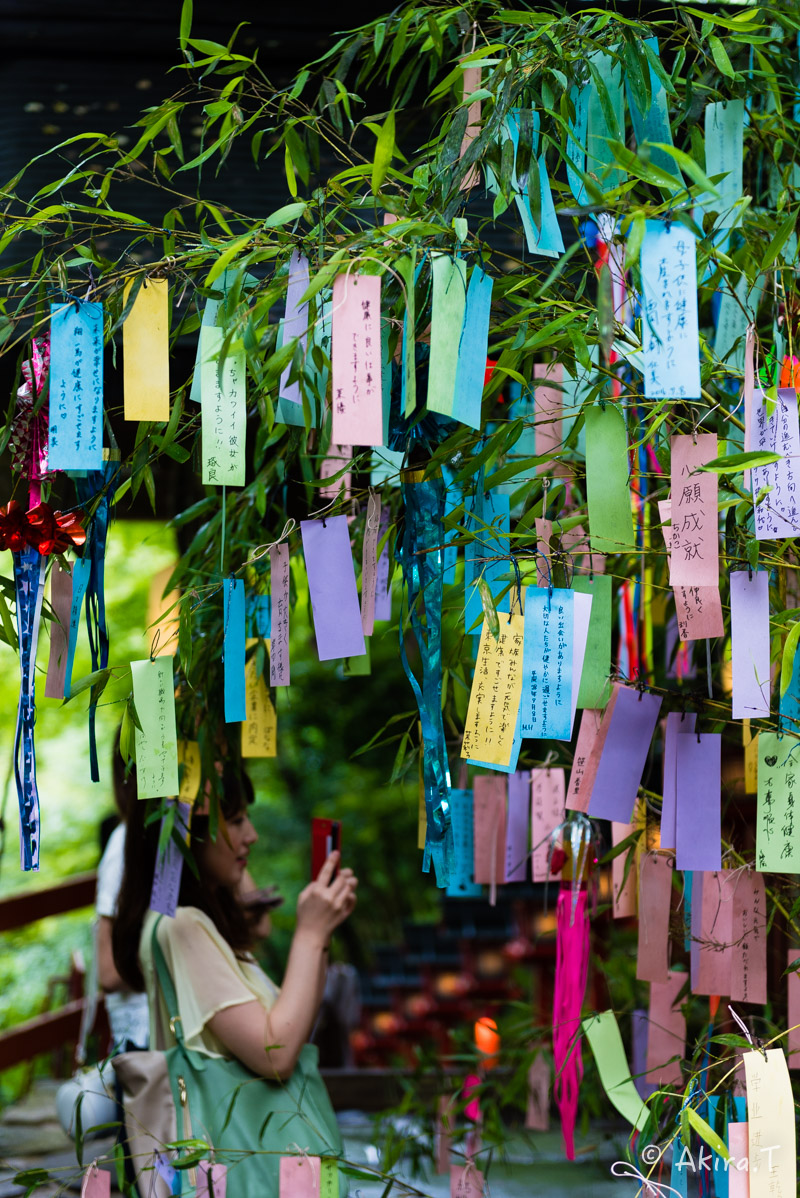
{"points": [[248, 1121]]}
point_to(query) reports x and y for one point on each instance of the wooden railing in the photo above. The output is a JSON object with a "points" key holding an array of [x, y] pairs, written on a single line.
{"points": [[51, 1029]]}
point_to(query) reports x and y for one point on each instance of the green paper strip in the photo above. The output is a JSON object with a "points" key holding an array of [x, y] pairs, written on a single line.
{"points": [[449, 301], [607, 488], [157, 741], [595, 687], [602, 1032]]}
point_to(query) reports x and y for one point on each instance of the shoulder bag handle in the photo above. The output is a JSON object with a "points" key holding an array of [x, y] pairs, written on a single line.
{"points": [[165, 982]]}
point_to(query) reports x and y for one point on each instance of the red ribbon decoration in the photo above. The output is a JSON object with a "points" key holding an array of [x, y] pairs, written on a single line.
{"points": [[41, 528]]}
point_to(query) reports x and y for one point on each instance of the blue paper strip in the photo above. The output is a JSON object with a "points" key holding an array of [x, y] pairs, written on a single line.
{"points": [[462, 884], [169, 867], [452, 500], [80, 581], [492, 542], [653, 126], [546, 703], [233, 649], [670, 337], [75, 435], [258, 615], [576, 143], [473, 349]]}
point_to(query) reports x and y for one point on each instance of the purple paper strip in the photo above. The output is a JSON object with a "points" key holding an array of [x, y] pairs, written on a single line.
{"points": [[624, 755], [332, 585], [639, 1033], [519, 801], [699, 819], [383, 583], [677, 723], [168, 870], [696, 925], [750, 644]]}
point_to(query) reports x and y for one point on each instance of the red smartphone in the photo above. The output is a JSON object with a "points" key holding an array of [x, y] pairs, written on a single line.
{"points": [[326, 836]]}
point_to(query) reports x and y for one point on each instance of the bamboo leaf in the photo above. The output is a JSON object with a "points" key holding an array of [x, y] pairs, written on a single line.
{"points": [[384, 152]]}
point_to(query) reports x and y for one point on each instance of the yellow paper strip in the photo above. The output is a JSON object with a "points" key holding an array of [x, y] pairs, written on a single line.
{"points": [[145, 349], [189, 770], [750, 741], [495, 695], [260, 729]]}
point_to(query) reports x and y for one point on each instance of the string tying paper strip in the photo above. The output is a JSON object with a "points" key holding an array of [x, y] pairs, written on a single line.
{"points": [[421, 555], [29, 572]]}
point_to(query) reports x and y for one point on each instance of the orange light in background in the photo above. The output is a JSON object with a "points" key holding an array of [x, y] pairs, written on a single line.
{"points": [[487, 1041]]}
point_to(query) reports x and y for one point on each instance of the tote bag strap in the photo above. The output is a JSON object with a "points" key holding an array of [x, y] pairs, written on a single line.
{"points": [[165, 982]]}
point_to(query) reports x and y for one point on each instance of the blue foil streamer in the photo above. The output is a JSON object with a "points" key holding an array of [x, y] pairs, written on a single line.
{"points": [[103, 483], [29, 570], [422, 558]]}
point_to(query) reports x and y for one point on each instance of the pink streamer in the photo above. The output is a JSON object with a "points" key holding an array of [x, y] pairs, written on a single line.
{"points": [[572, 964]]}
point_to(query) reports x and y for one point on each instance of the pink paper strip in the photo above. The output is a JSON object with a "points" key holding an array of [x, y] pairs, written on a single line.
{"points": [[623, 897], [695, 533], [666, 1031], [544, 561], [738, 1173], [715, 955], [678, 723], [61, 603], [624, 755], [519, 789], [472, 82], [212, 1180], [655, 891], [338, 456], [369, 563], [749, 939], [299, 1176], [699, 789], [548, 406], [547, 812], [580, 782], [489, 814], [537, 1110], [750, 647], [793, 1012], [279, 615], [357, 403], [332, 585], [698, 610]]}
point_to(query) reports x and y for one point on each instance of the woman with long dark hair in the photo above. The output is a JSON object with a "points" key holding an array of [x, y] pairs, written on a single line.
{"points": [[228, 1007]]}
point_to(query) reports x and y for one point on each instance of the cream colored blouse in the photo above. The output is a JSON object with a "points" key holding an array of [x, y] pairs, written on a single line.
{"points": [[207, 975]]}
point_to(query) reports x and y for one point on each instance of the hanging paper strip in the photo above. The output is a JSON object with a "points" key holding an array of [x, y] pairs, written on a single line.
{"points": [[572, 965], [260, 729], [472, 350], [295, 321], [694, 559], [607, 487], [595, 687], [279, 615], [369, 563], [750, 644], [145, 350], [462, 878], [421, 554], [698, 787], [546, 703], [98, 486], [771, 1130], [60, 604], [666, 1039], [624, 755], [670, 336], [601, 129], [156, 740], [602, 1032], [576, 143], [223, 398], [29, 573], [724, 142], [494, 698], [447, 321], [356, 402], [655, 887], [76, 386], [486, 556], [332, 586], [547, 814], [777, 840], [653, 125], [519, 801], [778, 431], [233, 650], [169, 864], [471, 84]]}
